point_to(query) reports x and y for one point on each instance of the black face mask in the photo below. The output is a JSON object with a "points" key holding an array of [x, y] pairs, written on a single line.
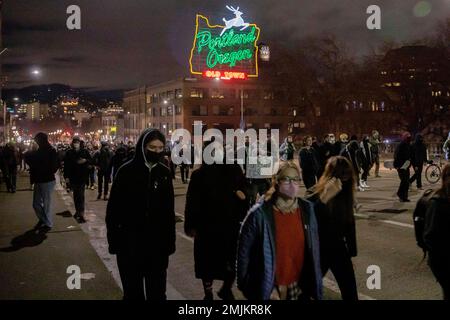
{"points": [[153, 156]]}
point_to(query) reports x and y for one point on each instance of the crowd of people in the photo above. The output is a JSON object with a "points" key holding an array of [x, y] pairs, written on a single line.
{"points": [[255, 231]]}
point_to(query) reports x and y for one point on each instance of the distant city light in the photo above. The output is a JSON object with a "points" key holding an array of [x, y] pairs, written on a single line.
{"points": [[36, 72], [16, 99]]}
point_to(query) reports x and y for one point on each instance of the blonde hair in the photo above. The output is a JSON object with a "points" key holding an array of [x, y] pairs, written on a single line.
{"points": [[273, 188]]}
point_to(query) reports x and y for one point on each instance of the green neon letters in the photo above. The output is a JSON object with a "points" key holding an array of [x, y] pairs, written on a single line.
{"points": [[229, 40]]}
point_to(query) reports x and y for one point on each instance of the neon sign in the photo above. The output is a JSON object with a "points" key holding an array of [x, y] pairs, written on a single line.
{"points": [[225, 52], [225, 75]]}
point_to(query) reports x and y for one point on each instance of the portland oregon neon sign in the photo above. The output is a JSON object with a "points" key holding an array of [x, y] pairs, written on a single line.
{"points": [[227, 51]]}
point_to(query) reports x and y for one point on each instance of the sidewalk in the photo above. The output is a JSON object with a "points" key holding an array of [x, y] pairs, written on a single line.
{"points": [[35, 266]]}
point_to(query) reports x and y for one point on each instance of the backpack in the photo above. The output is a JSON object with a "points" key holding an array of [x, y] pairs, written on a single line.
{"points": [[419, 218]]}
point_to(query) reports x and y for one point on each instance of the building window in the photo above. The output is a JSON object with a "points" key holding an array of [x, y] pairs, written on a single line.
{"points": [[317, 109], [196, 93], [215, 110], [170, 94], [199, 111], [178, 93], [163, 112], [178, 110], [250, 94], [216, 93], [268, 95], [266, 111]]}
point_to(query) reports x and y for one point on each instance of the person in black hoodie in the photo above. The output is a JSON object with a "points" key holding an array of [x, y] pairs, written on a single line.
{"points": [[140, 219], [118, 159], [402, 162], [10, 163], [43, 164], [418, 158], [436, 234], [309, 163], [102, 160], [76, 171]]}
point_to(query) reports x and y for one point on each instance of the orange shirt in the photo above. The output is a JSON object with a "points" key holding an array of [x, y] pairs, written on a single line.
{"points": [[290, 247]]}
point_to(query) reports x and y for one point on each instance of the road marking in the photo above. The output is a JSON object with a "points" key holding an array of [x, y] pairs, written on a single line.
{"points": [[333, 286], [327, 283], [401, 224]]}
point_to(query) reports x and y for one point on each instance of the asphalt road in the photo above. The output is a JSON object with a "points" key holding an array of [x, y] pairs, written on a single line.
{"points": [[385, 239]]}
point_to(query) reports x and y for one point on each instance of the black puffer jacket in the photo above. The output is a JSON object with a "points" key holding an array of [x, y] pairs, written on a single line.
{"points": [[140, 216]]}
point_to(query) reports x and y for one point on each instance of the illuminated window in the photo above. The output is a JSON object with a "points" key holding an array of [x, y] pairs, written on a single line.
{"points": [[196, 93], [217, 93], [268, 95], [178, 93], [215, 110]]}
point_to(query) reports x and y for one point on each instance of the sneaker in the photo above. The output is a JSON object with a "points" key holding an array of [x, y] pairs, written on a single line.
{"points": [[360, 188], [405, 200], [365, 185], [105, 198], [45, 229], [377, 176], [99, 196], [208, 296], [92, 188], [225, 294], [80, 219], [39, 225]]}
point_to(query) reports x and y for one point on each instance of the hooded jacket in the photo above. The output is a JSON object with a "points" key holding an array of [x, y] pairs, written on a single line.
{"points": [[256, 253], [140, 215], [418, 152], [75, 172], [402, 152], [43, 162]]}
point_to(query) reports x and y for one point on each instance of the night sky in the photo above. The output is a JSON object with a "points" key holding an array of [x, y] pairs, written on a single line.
{"points": [[127, 43]]}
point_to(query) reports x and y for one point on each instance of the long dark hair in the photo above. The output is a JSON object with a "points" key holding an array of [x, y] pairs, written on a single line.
{"points": [[444, 190], [341, 206]]}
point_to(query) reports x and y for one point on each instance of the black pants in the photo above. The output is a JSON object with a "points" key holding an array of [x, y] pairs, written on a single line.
{"points": [[184, 172], [441, 271], [309, 179], [11, 178], [103, 183], [365, 173], [417, 176], [402, 192], [340, 263], [78, 197], [376, 161], [143, 283], [173, 169]]}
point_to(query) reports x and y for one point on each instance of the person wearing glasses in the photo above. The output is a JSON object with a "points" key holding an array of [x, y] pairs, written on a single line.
{"points": [[140, 219], [278, 250], [334, 203]]}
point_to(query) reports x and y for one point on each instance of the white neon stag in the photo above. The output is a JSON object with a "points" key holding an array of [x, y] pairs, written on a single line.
{"points": [[236, 22]]}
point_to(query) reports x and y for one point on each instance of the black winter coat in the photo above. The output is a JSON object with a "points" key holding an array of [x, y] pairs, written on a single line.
{"points": [[140, 216], [437, 225], [308, 161], [418, 154], [77, 173], [402, 154], [214, 211]]}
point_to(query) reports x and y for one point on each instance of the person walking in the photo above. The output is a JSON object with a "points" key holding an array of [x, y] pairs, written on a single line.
{"points": [[215, 206], [436, 233], [308, 163], [76, 171], [287, 149], [375, 148], [102, 160], [334, 202], [118, 159], [446, 148], [419, 157], [352, 153], [278, 248], [366, 161], [43, 164], [10, 163], [402, 163], [140, 219]]}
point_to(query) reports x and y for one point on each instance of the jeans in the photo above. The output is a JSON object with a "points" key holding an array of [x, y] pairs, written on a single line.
{"points": [[78, 197], [42, 200]]}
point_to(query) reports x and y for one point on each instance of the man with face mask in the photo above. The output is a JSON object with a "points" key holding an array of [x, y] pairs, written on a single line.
{"points": [[76, 171], [375, 148], [102, 160], [140, 219], [402, 162]]}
